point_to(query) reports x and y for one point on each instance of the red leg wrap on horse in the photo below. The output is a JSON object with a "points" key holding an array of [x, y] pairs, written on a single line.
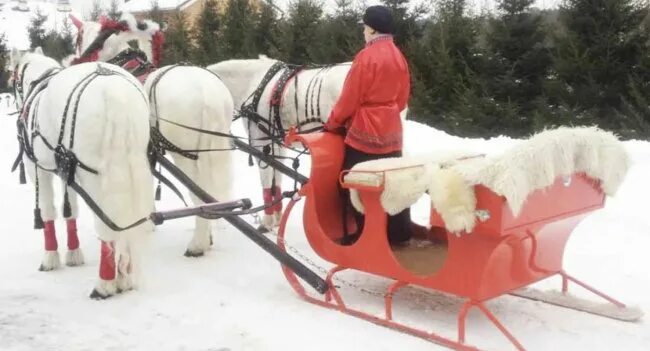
{"points": [[73, 239], [107, 262], [268, 200], [50, 236], [277, 197]]}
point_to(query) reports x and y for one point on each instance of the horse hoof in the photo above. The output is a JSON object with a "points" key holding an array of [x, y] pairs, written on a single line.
{"points": [[263, 229], [189, 253], [74, 258], [123, 290], [96, 295], [50, 261]]}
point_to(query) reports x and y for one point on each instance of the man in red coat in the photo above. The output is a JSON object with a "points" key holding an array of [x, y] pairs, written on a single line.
{"points": [[375, 91]]}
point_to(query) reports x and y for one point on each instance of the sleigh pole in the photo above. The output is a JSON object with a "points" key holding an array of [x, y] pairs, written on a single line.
{"points": [[272, 162], [256, 236], [207, 211]]}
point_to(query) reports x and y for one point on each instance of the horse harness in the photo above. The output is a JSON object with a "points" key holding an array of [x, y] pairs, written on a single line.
{"points": [[65, 159], [135, 62], [273, 127]]}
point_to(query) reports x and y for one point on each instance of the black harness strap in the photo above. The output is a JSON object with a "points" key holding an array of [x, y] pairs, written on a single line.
{"points": [[249, 111], [168, 183], [276, 98], [25, 147], [18, 86], [160, 141], [273, 126], [101, 214], [163, 144]]}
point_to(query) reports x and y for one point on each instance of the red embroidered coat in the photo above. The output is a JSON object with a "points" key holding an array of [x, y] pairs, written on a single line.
{"points": [[376, 89]]}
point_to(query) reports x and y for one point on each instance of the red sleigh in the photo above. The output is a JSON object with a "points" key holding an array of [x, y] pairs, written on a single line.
{"points": [[500, 256]]}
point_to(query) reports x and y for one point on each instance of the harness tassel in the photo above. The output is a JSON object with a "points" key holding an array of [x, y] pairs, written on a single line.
{"points": [[21, 170], [67, 210], [38, 220], [158, 188]]}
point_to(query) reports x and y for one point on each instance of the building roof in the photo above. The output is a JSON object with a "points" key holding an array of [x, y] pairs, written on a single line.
{"points": [[146, 5]]}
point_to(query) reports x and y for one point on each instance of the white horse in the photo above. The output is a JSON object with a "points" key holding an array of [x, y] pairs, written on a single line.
{"points": [[187, 95], [306, 101], [96, 114]]}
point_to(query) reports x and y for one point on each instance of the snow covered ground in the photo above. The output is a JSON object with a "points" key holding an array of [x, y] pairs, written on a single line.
{"points": [[235, 298]]}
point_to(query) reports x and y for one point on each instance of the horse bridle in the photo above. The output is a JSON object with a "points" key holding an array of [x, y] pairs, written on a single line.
{"points": [[18, 78]]}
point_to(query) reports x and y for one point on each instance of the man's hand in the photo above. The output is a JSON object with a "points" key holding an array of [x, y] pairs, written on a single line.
{"points": [[331, 128]]}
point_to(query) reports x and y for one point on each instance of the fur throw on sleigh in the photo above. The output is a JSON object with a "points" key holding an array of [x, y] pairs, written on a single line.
{"points": [[528, 166]]}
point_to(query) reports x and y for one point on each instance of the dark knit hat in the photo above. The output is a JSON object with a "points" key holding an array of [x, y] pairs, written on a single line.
{"points": [[378, 18]]}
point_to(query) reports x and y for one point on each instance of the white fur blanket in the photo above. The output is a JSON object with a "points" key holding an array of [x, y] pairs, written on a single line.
{"points": [[531, 165]]}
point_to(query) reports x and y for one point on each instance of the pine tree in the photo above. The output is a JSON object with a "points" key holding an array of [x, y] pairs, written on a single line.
{"points": [[3, 63], [206, 33], [177, 46], [266, 30], [96, 10], [155, 14], [446, 91], [405, 21], [340, 35], [114, 10], [601, 59], [301, 31], [36, 30], [238, 29], [517, 63], [59, 44]]}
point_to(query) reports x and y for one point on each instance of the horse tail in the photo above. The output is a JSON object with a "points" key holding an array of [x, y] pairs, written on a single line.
{"points": [[126, 185], [215, 167]]}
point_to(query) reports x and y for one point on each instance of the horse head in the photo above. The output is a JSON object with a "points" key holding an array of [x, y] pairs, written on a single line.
{"points": [[103, 40], [26, 67]]}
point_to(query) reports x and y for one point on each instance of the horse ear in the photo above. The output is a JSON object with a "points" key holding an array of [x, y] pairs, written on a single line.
{"points": [[77, 22], [38, 51]]}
